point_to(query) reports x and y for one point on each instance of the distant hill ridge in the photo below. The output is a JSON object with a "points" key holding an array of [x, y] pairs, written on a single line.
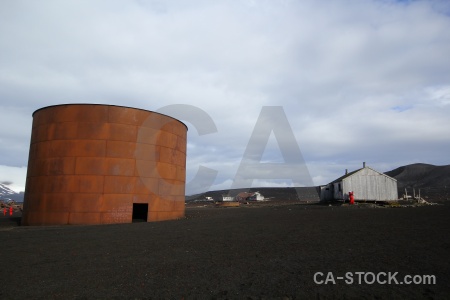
{"points": [[275, 193], [421, 176]]}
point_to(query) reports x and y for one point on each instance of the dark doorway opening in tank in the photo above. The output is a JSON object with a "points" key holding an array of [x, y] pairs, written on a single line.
{"points": [[140, 211]]}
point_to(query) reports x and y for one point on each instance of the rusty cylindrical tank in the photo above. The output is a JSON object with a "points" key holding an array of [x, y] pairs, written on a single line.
{"points": [[100, 164]]}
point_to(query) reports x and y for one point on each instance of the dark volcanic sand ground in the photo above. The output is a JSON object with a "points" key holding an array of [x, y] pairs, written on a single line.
{"points": [[231, 253]]}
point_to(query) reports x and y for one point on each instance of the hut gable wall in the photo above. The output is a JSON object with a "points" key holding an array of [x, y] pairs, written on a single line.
{"points": [[368, 184]]}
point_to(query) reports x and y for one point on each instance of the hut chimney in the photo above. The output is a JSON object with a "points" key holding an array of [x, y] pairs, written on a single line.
{"points": [[364, 164], [346, 171]]}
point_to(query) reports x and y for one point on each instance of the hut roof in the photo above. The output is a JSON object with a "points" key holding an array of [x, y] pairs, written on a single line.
{"points": [[356, 171]]}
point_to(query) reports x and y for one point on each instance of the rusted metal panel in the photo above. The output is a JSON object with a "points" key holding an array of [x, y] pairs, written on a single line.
{"points": [[89, 163], [123, 132], [167, 170], [76, 218], [144, 198], [121, 149], [146, 186], [117, 203], [90, 184], [86, 202]]}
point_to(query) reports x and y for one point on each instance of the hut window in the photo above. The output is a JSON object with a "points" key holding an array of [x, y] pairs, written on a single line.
{"points": [[339, 187]]}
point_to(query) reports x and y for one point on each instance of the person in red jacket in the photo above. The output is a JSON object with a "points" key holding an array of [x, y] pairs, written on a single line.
{"points": [[10, 210], [352, 198]]}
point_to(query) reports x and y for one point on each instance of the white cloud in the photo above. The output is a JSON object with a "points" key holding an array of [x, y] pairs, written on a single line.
{"points": [[439, 95], [15, 175]]}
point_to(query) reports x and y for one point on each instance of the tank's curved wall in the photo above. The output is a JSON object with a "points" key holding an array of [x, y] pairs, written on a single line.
{"points": [[88, 164]]}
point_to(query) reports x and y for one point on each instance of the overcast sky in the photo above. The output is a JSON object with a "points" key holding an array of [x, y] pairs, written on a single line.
{"points": [[365, 80]]}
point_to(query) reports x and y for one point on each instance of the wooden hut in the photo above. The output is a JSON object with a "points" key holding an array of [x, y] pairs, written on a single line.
{"points": [[366, 183]]}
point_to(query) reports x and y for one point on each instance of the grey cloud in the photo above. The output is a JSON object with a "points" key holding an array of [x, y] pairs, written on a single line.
{"points": [[337, 71]]}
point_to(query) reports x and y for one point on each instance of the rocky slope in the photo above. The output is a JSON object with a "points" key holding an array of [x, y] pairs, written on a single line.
{"points": [[7, 194]]}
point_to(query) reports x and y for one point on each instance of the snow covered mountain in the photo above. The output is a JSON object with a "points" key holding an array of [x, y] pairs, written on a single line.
{"points": [[7, 194]]}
